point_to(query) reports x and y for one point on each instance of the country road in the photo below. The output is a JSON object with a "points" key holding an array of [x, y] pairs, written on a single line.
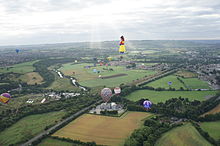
{"points": [[47, 132]]}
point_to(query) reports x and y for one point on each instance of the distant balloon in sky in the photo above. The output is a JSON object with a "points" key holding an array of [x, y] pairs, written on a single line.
{"points": [[117, 90], [147, 104], [122, 45], [169, 83], [5, 97], [106, 94], [17, 51]]}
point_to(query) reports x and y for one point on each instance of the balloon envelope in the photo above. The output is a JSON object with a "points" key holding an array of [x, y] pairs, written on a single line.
{"points": [[5, 97], [17, 50], [106, 94], [169, 83], [147, 104], [117, 90]]}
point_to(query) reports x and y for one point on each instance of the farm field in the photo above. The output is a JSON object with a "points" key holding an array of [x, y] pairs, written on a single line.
{"points": [[28, 127], [186, 74], [213, 111], [213, 128], [19, 68], [163, 83], [32, 78], [162, 96], [185, 135], [86, 77], [195, 83], [103, 129], [62, 84], [54, 142]]}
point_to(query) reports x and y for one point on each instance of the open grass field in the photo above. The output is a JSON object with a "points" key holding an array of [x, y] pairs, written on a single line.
{"points": [[87, 77], [163, 82], [195, 83], [185, 135], [54, 142], [62, 84], [32, 78], [186, 74], [213, 111], [19, 68], [103, 129], [162, 96], [28, 127], [213, 128], [19, 101]]}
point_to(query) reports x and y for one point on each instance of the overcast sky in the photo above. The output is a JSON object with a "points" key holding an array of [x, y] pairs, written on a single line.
{"points": [[55, 21]]}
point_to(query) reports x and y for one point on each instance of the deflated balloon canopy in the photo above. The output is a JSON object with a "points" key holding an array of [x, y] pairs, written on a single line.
{"points": [[106, 94], [5, 97], [147, 104]]}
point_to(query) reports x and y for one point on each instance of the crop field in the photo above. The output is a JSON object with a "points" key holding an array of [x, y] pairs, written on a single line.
{"points": [[186, 74], [163, 82], [28, 127], [213, 111], [185, 135], [103, 129], [54, 142], [213, 128], [19, 68], [32, 78], [195, 83], [87, 77], [162, 96]]}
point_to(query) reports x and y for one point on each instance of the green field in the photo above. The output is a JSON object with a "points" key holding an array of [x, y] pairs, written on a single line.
{"points": [[185, 135], [161, 96], [213, 128], [163, 82], [19, 68], [195, 83], [54, 142], [62, 84], [191, 83], [87, 77], [103, 129], [28, 127]]}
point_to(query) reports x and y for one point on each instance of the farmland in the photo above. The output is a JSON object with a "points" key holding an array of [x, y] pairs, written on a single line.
{"points": [[213, 111], [184, 135], [54, 142], [31, 78], [162, 96], [87, 77], [163, 82], [28, 127], [213, 128], [19, 68], [102, 129], [195, 83]]}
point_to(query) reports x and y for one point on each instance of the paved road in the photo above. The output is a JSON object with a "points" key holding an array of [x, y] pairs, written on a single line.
{"points": [[46, 132]]}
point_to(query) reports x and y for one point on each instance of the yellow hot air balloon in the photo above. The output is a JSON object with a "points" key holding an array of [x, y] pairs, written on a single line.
{"points": [[122, 46]]}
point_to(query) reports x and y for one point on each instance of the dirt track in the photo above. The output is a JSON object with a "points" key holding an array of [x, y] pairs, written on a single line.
{"points": [[114, 76]]}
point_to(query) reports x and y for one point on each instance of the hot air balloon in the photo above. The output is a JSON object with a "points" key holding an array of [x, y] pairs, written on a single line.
{"points": [[109, 58], [106, 94], [169, 83], [95, 70], [117, 90], [147, 104], [5, 97], [17, 51], [122, 46]]}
